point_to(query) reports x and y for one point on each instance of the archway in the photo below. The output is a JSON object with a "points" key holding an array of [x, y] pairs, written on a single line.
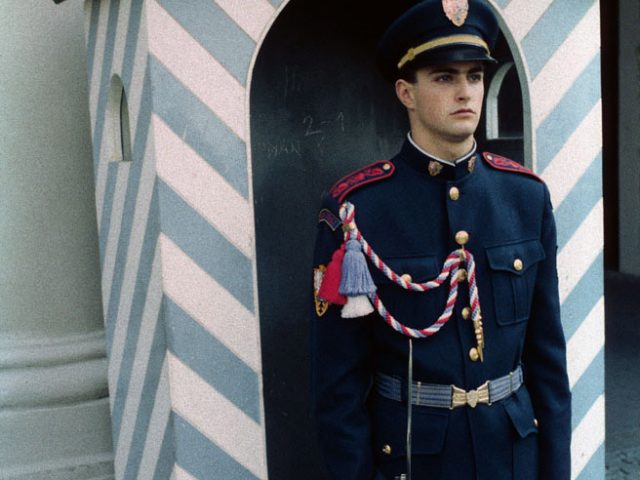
{"points": [[319, 109]]}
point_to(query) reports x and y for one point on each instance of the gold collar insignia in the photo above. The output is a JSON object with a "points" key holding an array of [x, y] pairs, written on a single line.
{"points": [[434, 168], [471, 165]]}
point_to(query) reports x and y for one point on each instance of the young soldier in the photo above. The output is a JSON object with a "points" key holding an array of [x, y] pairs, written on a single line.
{"points": [[451, 361]]}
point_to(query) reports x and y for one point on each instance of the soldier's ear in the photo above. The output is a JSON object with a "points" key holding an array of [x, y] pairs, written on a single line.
{"points": [[405, 93]]}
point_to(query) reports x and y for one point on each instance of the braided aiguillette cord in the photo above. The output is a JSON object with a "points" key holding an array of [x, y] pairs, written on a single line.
{"points": [[451, 266]]}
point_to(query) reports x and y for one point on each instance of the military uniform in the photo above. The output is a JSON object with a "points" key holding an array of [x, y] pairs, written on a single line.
{"points": [[451, 362]]}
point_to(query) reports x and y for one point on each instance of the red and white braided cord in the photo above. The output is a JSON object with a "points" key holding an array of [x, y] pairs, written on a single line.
{"points": [[451, 267]]}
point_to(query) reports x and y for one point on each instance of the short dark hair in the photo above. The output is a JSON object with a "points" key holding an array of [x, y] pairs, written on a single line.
{"points": [[408, 74]]}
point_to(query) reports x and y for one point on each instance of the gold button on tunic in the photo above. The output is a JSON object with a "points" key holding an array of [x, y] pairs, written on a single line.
{"points": [[474, 355], [462, 275], [462, 237]]}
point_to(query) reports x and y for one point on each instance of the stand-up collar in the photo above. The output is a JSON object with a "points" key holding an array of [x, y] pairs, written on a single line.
{"points": [[436, 167]]}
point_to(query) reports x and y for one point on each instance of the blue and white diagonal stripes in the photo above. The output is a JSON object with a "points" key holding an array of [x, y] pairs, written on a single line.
{"points": [[177, 223]]}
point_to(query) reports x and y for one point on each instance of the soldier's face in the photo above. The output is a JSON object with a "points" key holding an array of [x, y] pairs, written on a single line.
{"points": [[445, 102]]}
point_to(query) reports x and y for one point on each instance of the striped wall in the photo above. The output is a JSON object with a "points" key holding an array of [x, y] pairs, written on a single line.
{"points": [[177, 264], [559, 41], [177, 229]]}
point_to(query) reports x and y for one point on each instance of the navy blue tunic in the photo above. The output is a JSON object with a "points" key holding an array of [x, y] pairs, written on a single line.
{"points": [[410, 220]]}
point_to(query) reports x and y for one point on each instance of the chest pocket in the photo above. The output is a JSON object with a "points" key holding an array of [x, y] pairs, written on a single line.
{"points": [[421, 268], [513, 273]]}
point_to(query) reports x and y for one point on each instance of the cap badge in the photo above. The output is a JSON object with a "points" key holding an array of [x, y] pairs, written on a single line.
{"points": [[456, 11]]}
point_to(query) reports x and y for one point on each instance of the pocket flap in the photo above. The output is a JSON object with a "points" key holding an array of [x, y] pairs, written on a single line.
{"points": [[421, 268], [430, 430], [517, 257], [389, 420], [520, 411]]}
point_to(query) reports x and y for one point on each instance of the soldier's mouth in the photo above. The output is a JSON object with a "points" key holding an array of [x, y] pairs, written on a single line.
{"points": [[464, 111]]}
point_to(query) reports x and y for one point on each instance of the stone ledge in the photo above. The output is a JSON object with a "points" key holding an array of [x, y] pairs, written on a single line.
{"points": [[102, 470], [45, 352], [48, 372], [62, 438], [57, 385], [623, 464]]}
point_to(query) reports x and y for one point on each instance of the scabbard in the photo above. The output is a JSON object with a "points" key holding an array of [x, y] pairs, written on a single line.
{"points": [[409, 410]]}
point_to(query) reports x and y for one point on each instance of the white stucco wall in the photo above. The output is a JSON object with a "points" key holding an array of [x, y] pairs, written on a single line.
{"points": [[54, 414], [45, 155]]}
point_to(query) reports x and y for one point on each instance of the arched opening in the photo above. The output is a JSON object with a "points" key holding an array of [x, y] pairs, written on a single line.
{"points": [[503, 116], [505, 124], [118, 131], [319, 109]]}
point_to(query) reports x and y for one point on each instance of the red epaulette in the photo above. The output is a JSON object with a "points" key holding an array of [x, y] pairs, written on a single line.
{"points": [[371, 173], [503, 163]]}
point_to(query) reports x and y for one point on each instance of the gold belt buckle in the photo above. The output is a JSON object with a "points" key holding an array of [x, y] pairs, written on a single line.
{"points": [[460, 397]]}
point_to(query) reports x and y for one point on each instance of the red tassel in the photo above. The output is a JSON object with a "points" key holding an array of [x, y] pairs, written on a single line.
{"points": [[329, 290]]}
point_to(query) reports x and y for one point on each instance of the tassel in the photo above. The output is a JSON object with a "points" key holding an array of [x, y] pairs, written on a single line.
{"points": [[355, 307], [356, 278], [329, 289], [356, 282]]}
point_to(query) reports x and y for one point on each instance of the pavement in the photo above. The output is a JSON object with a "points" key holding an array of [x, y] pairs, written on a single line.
{"points": [[622, 376], [623, 464]]}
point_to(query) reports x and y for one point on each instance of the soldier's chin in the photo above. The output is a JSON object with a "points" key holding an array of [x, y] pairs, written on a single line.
{"points": [[460, 137], [468, 131]]}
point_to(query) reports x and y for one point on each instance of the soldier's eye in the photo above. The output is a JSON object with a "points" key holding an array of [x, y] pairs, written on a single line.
{"points": [[444, 78]]}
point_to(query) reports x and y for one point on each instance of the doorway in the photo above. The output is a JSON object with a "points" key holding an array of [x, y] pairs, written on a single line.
{"points": [[319, 109]]}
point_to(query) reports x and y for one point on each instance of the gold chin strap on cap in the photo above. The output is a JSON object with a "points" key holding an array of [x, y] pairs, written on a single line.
{"points": [[472, 40]]}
